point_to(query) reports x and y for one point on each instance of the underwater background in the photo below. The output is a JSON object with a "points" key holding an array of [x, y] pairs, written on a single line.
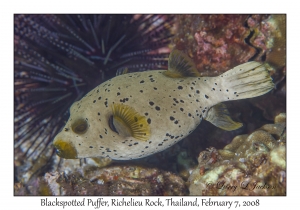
{"points": [[59, 58]]}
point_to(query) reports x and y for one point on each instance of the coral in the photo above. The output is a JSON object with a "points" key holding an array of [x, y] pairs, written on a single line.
{"points": [[215, 42], [269, 36], [252, 164], [114, 180], [219, 42]]}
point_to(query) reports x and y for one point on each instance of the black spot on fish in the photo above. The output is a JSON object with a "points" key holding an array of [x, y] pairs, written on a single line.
{"points": [[142, 81], [234, 93], [146, 113], [203, 111], [118, 93], [181, 101], [172, 118], [181, 109], [157, 108], [99, 98], [216, 84], [149, 121], [151, 103], [192, 88], [197, 91], [150, 76], [155, 88], [190, 114], [190, 95], [98, 91], [98, 113], [180, 87], [141, 91], [206, 96], [213, 89], [94, 101], [91, 147], [176, 122], [66, 129]]}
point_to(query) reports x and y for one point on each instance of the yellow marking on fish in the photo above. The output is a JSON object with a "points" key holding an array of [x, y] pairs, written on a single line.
{"points": [[132, 123], [65, 149]]}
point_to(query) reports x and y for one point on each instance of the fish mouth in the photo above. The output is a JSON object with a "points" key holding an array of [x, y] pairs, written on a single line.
{"points": [[65, 149]]}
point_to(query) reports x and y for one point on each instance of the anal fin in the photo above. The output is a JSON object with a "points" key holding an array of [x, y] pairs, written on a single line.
{"points": [[218, 115]]}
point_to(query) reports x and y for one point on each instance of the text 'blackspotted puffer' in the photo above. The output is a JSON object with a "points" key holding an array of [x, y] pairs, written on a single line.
{"points": [[137, 114]]}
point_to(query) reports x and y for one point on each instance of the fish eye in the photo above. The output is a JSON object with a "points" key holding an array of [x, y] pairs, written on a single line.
{"points": [[79, 126], [111, 124]]}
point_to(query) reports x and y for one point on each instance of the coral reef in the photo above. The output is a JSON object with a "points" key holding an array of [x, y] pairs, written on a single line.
{"points": [[215, 42], [114, 180], [219, 42], [252, 164]]}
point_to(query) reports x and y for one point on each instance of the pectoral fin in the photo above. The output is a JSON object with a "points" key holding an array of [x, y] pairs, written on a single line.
{"points": [[218, 115], [128, 122]]}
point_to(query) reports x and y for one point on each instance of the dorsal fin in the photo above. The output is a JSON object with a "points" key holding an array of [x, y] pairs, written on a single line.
{"points": [[218, 115], [180, 65]]}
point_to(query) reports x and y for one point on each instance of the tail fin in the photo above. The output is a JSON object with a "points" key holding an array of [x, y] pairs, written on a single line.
{"points": [[246, 81]]}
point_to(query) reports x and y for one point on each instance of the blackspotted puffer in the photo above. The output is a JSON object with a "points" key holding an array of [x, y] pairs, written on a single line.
{"points": [[138, 114]]}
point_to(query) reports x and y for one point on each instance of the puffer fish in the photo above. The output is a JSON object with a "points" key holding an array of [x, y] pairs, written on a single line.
{"points": [[135, 115]]}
